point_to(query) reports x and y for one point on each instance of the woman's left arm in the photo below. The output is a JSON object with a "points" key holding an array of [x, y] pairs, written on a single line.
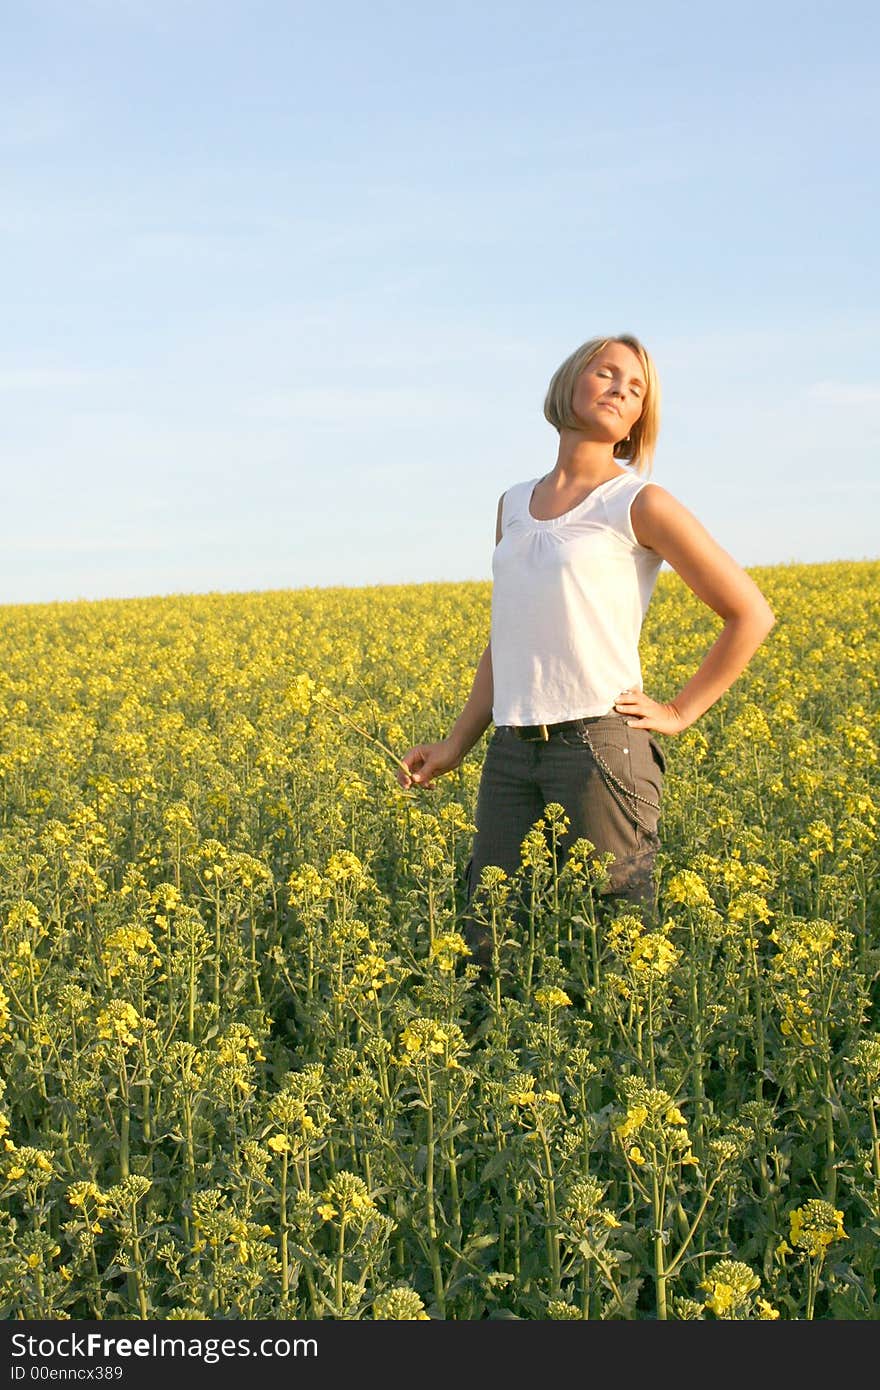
{"points": [[661, 523]]}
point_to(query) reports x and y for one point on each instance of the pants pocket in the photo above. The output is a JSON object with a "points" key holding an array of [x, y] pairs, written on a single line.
{"points": [[613, 748], [628, 761], [648, 767], [659, 755]]}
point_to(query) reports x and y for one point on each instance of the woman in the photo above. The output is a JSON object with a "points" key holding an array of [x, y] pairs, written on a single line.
{"points": [[576, 559]]}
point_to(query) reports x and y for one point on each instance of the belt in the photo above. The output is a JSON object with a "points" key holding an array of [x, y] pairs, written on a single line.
{"points": [[539, 733]]}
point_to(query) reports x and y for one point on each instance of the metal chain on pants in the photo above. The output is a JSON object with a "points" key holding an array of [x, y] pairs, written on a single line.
{"points": [[611, 780]]}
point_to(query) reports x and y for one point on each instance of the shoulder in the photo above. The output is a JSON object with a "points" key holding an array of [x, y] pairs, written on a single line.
{"points": [[526, 483], [511, 501], [659, 521], [652, 508]]}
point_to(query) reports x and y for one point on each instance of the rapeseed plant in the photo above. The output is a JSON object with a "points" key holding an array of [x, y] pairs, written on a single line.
{"points": [[232, 968]]}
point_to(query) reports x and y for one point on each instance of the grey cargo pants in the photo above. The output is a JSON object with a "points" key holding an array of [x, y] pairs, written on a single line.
{"points": [[609, 780]]}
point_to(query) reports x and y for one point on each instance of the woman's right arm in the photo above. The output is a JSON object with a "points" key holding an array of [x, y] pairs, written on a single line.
{"points": [[429, 760]]}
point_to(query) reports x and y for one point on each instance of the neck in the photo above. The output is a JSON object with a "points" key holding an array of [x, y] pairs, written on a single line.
{"points": [[584, 461]]}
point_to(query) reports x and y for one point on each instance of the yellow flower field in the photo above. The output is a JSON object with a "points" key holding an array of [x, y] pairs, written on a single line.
{"points": [[247, 1070]]}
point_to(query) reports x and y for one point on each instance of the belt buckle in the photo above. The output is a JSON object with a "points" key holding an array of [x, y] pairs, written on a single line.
{"points": [[541, 736]]}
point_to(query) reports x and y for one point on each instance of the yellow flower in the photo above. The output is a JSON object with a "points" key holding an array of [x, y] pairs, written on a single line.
{"points": [[4, 1009], [688, 888], [653, 953], [399, 1305], [548, 997], [635, 1155], [129, 946], [635, 1118], [765, 1311], [730, 1287], [35, 1164], [118, 1022], [815, 1226], [424, 1037], [446, 949], [521, 1097]]}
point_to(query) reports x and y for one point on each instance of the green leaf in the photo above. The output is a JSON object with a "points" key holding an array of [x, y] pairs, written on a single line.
{"points": [[495, 1165]]}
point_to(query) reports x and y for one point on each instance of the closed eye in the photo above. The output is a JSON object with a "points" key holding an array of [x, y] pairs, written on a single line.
{"points": [[635, 390]]}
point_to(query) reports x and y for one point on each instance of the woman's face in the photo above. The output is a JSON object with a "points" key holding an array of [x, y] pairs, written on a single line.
{"points": [[610, 392]]}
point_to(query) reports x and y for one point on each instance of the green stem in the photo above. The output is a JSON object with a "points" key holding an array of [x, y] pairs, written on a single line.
{"points": [[660, 1273], [674, 1264], [285, 1264], [830, 1149], [812, 1285], [217, 950], [340, 1260], [496, 961], [124, 1119], [140, 1283], [255, 972], [439, 1292], [191, 983], [651, 1060], [696, 1024], [552, 1224], [452, 1166]]}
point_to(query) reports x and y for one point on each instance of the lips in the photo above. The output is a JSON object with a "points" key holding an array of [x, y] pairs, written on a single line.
{"points": [[610, 406]]}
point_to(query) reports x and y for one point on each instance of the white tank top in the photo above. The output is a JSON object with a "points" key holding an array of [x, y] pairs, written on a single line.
{"points": [[569, 597]]}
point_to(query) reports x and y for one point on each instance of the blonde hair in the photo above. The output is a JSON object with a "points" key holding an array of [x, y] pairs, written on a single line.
{"points": [[638, 450]]}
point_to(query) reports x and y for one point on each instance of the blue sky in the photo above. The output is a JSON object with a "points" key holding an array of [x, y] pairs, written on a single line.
{"points": [[283, 284]]}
